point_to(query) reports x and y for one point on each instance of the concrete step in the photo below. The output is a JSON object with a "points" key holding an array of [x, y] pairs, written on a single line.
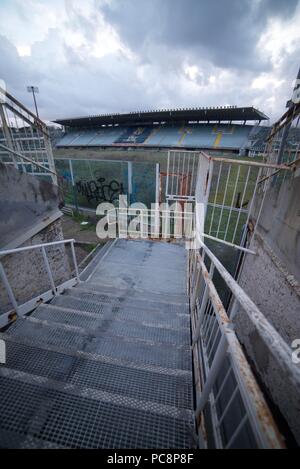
{"points": [[150, 384], [139, 313], [96, 324], [130, 350], [38, 412]]}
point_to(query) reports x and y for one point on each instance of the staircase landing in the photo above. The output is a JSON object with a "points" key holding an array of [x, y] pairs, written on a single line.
{"points": [[108, 363]]}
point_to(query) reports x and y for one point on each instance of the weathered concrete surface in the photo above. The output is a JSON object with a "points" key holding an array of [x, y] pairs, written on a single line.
{"points": [[25, 201], [26, 270], [271, 279], [29, 215], [279, 223]]}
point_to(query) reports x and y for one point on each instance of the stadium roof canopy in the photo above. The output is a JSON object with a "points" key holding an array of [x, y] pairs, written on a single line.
{"points": [[218, 114]]}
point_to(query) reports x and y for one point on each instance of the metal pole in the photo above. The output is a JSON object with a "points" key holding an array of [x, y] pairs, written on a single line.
{"points": [[36, 109], [212, 375], [8, 289], [48, 270], [75, 260], [73, 185]]}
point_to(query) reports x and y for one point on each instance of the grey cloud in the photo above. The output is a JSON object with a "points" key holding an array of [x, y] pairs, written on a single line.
{"points": [[72, 82], [225, 32]]}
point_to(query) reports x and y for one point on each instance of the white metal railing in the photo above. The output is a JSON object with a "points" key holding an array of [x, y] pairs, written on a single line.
{"points": [[181, 175], [24, 138], [164, 223], [55, 289], [227, 393], [226, 186]]}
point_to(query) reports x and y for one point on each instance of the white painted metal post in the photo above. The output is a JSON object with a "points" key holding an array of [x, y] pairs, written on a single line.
{"points": [[157, 191], [47, 265], [212, 375], [8, 288], [129, 175], [74, 260]]}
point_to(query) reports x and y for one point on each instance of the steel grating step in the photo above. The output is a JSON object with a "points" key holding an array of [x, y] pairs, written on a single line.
{"points": [[129, 350], [36, 412], [124, 311], [113, 327], [167, 389], [135, 294], [119, 297], [100, 252]]}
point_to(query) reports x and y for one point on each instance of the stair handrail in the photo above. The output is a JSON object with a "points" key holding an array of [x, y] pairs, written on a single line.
{"points": [[42, 246]]}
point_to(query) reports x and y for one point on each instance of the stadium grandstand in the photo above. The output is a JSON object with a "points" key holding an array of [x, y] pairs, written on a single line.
{"points": [[129, 153], [222, 128]]}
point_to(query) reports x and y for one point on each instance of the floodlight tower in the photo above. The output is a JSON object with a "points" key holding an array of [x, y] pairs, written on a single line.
{"points": [[33, 90]]}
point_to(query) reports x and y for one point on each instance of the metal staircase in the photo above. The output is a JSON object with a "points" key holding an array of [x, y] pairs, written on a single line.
{"points": [[108, 363]]}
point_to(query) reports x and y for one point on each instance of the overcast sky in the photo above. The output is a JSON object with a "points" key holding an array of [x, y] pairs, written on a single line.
{"points": [[100, 56]]}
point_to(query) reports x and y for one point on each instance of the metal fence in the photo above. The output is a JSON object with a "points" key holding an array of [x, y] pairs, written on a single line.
{"points": [[24, 139], [24, 308], [181, 175], [227, 188], [231, 410]]}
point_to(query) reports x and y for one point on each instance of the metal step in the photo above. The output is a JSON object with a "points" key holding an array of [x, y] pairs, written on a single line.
{"points": [[128, 349], [158, 386], [125, 311], [122, 298], [98, 255], [37, 412], [94, 323], [134, 293]]}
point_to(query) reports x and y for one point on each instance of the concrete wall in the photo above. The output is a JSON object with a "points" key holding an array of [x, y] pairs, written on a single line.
{"points": [[26, 270], [29, 215], [271, 279], [25, 201]]}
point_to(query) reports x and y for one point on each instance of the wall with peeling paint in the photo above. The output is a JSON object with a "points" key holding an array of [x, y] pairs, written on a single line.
{"points": [[271, 279], [29, 215]]}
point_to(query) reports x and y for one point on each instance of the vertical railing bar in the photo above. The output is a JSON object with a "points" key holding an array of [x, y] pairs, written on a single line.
{"points": [[173, 172], [209, 324], [168, 171], [215, 198], [183, 175], [202, 308], [242, 202], [237, 431], [211, 334], [193, 171], [48, 269], [223, 384], [74, 260], [212, 375], [224, 198], [201, 315], [178, 172], [8, 288], [232, 201], [252, 201], [227, 407], [188, 190], [207, 316]]}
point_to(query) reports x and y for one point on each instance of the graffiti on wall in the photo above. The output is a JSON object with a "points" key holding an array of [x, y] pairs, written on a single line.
{"points": [[99, 190]]}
